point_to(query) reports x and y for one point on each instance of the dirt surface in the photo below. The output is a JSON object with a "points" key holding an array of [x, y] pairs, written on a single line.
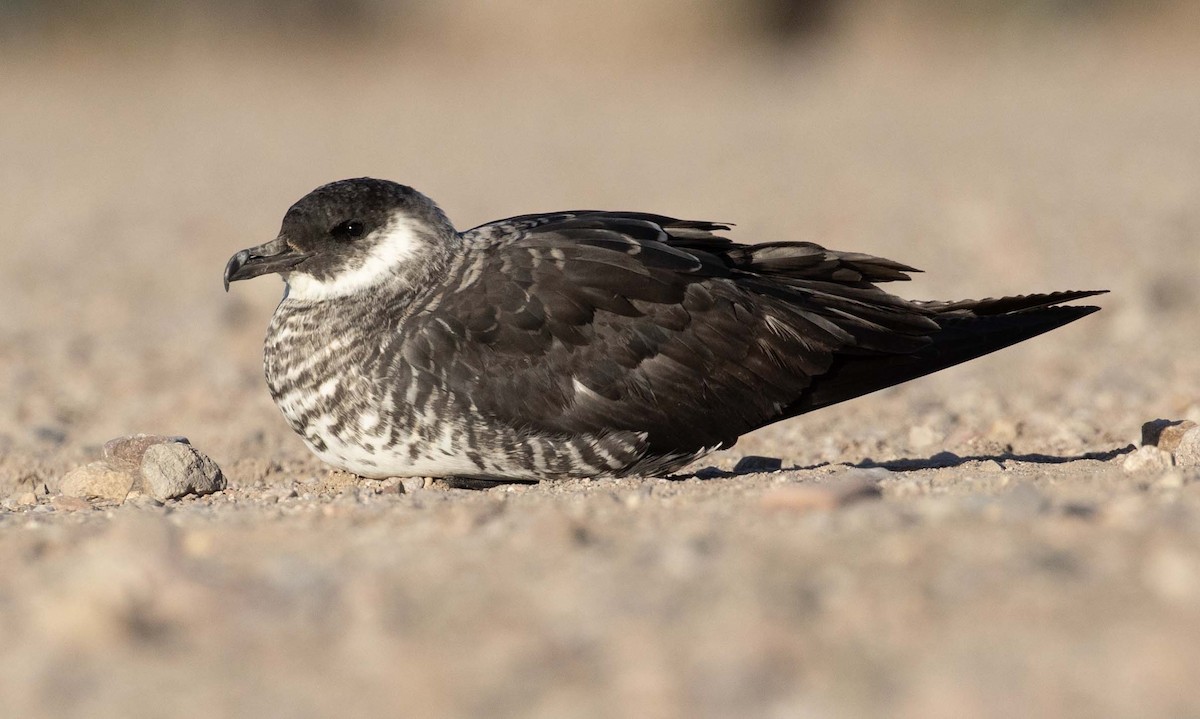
{"points": [[1007, 566]]}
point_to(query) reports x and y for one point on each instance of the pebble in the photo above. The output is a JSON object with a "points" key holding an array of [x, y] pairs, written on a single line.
{"points": [[1166, 434], [142, 501], [830, 495], [64, 503], [1147, 459], [97, 479], [174, 469], [24, 500], [126, 452], [1187, 454], [413, 484]]}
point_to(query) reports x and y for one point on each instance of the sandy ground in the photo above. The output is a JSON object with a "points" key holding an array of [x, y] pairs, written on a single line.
{"points": [[1023, 574]]}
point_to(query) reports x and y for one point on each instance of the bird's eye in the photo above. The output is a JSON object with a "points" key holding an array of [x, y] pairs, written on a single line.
{"points": [[348, 230]]}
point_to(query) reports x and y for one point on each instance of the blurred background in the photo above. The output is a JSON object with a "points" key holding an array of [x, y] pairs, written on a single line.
{"points": [[1002, 146]]}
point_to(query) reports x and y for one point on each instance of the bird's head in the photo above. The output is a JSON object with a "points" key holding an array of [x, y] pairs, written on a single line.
{"points": [[349, 236]]}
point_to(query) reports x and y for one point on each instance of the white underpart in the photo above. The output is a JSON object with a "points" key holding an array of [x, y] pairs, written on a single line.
{"points": [[392, 246], [368, 455]]}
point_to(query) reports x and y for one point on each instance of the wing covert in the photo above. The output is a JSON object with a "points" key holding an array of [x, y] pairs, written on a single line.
{"points": [[587, 322]]}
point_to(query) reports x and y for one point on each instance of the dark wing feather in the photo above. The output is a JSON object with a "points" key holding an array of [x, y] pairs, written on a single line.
{"points": [[588, 322], [966, 329]]}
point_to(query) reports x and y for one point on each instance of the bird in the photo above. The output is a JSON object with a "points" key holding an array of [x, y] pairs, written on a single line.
{"points": [[583, 343]]}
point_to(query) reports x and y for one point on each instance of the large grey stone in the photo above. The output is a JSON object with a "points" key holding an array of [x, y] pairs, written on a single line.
{"points": [[171, 470]]}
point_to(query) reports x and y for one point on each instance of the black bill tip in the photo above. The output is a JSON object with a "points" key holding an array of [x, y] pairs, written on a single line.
{"points": [[235, 263], [274, 256]]}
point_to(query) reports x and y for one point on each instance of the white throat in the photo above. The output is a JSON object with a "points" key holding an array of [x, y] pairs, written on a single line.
{"points": [[393, 246]]}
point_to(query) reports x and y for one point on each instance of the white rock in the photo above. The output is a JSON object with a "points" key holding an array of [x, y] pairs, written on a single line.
{"points": [[1147, 459], [413, 484], [172, 470]]}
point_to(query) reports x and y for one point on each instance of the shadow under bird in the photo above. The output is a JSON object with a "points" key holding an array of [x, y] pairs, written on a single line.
{"points": [[580, 343]]}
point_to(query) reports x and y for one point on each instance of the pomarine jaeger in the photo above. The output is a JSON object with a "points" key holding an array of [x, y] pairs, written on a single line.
{"points": [[580, 343]]}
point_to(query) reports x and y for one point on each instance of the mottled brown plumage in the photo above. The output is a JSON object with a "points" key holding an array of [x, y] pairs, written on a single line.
{"points": [[580, 343]]}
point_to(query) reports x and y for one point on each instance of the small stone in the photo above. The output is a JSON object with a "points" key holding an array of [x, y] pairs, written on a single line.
{"points": [[64, 503], [1166, 434], [412, 484], [174, 470], [142, 501], [1187, 454], [828, 496], [752, 464], [21, 501], [97, 479], [126, 452], [1147, 459]]}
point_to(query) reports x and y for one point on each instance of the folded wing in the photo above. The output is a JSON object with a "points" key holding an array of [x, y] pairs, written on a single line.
{"points": [[596, 322]]}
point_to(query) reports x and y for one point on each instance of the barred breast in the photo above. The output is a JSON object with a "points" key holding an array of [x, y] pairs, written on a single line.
{"points": [[340, 372]]}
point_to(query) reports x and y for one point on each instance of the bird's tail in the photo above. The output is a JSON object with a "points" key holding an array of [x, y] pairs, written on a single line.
{"points": [[969, 329]]}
